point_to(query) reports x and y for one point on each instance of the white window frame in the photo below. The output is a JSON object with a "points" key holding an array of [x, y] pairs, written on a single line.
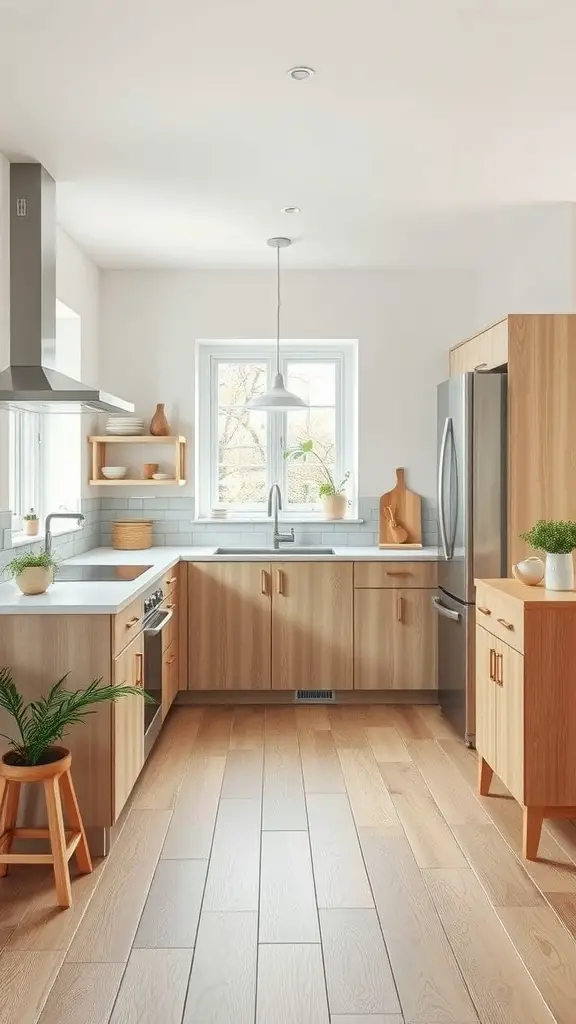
{"points": [[25, 442], [209, 354]]}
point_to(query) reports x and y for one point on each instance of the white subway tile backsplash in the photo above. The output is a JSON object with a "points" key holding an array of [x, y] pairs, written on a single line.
{"points": [[177, 539]]}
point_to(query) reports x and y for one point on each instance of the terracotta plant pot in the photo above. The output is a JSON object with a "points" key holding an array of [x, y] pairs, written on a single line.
{"points": [[159, 425], [34, 580], [335, 506], [31, 527], [149, 469]]}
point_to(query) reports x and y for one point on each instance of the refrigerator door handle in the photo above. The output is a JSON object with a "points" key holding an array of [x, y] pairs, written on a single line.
{"points": [[446, 612], [441, 510], [456, 510]]}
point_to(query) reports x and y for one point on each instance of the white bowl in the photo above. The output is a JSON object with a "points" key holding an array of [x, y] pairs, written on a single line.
{"points": [[113, 472], [161, 476]]}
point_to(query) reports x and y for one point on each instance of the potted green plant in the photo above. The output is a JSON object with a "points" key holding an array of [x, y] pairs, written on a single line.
{"points": [[31, 523], [557, 537], [33, 571], [332, 495], [41, 723]]}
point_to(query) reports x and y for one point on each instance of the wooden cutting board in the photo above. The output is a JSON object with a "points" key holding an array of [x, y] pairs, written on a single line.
{"points": [[407, 508]]}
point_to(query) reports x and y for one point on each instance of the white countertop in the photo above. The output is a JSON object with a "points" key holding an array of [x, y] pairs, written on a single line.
{"points": [[109, 598]]}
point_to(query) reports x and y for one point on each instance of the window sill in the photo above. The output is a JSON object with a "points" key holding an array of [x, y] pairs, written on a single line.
{"points": [[20, 540], [295, 519]]}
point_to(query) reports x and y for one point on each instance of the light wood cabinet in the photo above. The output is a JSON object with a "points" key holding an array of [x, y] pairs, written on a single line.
{"points": [[312, 625], [526, 702], [229, 625], [483, 351], [394, 640], [127, 724], [170, 681]]}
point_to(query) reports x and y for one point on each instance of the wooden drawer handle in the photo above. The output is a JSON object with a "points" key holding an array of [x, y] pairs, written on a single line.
{"points": [[485, 611], [170, 606], [480, 365], [393, 572], [492, 664], [264, 582], [171, 659], [399, 608], [139, 660], [507, 625], [500, 669], [173, 579], [132, 622], [280, 582]]}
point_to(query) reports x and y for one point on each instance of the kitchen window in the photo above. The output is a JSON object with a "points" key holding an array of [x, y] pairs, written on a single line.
{"points": [[240, 452], [45, 449]]}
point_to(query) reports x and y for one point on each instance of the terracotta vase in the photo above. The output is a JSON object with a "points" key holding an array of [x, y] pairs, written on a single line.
{"points": [[159, 425], [31, 527], [335, 506], [35, 579]]}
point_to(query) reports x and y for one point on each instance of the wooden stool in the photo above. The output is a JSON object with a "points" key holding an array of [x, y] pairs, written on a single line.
{"points": [[62, 844]]}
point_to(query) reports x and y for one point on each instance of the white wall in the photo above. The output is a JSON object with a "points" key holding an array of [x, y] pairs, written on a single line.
{"points": [[405, 322]]}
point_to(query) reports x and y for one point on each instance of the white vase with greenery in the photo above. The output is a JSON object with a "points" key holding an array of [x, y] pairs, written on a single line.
{"points": [[31, 523], [557, 537], [332, 495], [33, 572]]}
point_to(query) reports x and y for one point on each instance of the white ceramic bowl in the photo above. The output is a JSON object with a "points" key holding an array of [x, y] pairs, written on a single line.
{"points": [[114, 472], [161, 476]]}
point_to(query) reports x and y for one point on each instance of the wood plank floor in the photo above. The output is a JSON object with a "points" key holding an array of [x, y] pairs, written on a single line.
{"points": [[303, 866]]}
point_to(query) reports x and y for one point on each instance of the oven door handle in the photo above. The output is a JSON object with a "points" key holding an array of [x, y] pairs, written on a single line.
{"points": [[154, 630]]}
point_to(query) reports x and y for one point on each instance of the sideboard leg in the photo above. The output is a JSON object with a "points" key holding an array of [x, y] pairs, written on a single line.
{"points": [[533, 818], [485, 773]]}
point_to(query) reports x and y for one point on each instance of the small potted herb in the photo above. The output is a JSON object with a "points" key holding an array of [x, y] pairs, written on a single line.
{"points": [[32, 571], [332, 495], [42, 722], [557, 537], [31, 523]]}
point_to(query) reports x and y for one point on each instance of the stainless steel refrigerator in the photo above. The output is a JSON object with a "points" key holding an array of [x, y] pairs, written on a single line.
{"points": [[472, 443]]}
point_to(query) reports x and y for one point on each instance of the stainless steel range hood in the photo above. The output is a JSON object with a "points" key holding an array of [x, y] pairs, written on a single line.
{"points": [[31, 382]]}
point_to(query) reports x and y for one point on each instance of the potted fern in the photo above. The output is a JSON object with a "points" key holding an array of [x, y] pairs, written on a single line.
{"points": [[557, 537], [332, 494], [31, 523], [33, 571], [41, 723]]}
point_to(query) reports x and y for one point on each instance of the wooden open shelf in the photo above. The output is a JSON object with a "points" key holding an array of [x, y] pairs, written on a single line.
{"points": [[99, 442]]}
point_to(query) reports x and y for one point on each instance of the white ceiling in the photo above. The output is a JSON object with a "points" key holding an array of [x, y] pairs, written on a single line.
{"points": [[176, 137]]}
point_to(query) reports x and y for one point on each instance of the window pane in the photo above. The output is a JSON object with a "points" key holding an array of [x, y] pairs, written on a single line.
{"points": [[245, 486], [238, 382], [304, 476], [241, 437], [314, 382]]}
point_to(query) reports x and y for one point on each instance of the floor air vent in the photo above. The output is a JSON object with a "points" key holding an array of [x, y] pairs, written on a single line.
{"points": [[314, 695]]}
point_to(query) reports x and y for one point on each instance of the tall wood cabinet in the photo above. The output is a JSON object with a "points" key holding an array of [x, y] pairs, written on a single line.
{"points": [[540, 353], [526, 699]]}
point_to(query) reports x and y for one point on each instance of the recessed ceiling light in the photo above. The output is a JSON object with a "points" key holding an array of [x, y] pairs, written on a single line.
{"points": [[301, 72], [291, 209]]}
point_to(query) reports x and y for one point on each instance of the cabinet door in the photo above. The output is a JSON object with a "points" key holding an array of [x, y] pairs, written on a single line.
{"points": [[169, 677], [510, 718], [229, 616], [128, 724], [486, 687], [482, 352], [312, 626], [394, 640], [415, 628]]}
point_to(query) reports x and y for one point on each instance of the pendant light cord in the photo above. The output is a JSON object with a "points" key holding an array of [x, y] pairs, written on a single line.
{"points": [[278, 303]]}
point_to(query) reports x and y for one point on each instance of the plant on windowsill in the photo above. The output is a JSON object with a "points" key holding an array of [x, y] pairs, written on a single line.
{"points": [[31, 523], [41, 723], [332, 495], [557, 537], [33, 571]]}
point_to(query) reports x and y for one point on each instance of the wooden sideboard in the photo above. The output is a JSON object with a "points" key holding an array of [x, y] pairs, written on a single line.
{"points": [[526, 699]]}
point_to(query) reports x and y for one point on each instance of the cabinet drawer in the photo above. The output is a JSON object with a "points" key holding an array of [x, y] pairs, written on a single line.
{"points": [[501, 615], [170, 582], [170, 632], [385, 574], [127, 624]]}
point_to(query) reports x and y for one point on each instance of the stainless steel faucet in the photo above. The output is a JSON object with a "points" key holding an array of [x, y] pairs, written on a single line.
{"points": [[277, 538], [78, 516]]}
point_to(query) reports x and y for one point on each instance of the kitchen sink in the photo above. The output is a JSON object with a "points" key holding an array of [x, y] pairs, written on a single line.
{"points": [[98, 573], [290, 549]]}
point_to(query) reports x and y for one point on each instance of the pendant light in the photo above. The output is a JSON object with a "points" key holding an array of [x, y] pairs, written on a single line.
{"points": [[277, 399]]}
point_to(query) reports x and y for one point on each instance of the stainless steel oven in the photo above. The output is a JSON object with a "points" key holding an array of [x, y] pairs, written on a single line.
{"points": [[156, 619]]}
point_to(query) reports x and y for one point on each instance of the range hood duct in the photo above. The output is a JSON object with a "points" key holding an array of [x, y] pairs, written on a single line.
{"points": [[31, 382]]}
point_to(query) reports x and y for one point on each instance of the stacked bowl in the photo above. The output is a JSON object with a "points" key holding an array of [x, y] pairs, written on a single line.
{"points": [[125, 426]]}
